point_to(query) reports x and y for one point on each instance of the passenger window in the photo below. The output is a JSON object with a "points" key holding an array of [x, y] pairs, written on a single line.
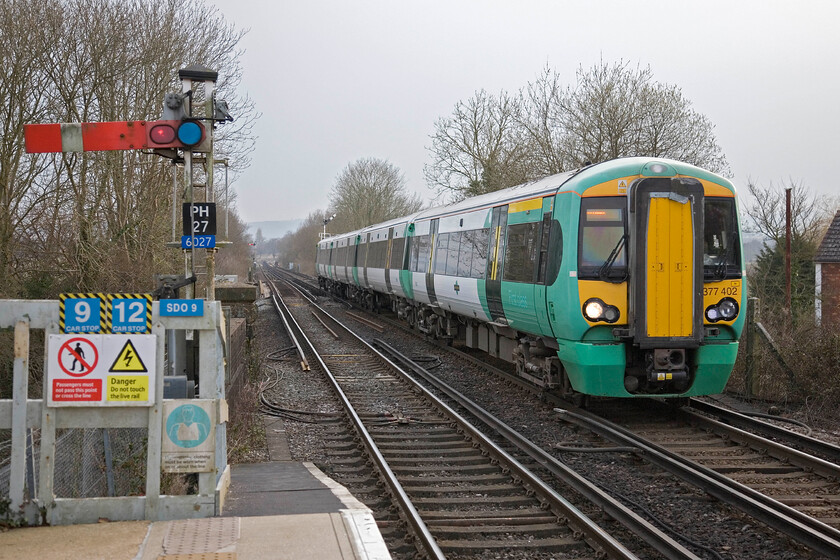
{"points": [[480, 243], [441, 245], [424, 248], [452, 254], [397, 248], [521, 252]]}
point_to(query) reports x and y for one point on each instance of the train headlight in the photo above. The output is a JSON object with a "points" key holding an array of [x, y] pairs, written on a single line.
{"points": [[595, 309], [724, 310], [728, 308]]}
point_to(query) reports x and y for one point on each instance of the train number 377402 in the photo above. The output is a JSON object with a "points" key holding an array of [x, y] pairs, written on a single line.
{"points": [[721, 291]]}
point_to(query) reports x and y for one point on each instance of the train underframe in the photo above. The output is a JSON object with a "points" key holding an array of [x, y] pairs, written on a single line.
{"points": [[647, 372]]}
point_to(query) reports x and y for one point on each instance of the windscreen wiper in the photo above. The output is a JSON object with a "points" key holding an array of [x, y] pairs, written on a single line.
{"points": [[722, 267], [606, 268]]}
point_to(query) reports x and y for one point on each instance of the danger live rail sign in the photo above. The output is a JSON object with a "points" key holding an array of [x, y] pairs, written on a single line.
{"points": [[101, 370]]}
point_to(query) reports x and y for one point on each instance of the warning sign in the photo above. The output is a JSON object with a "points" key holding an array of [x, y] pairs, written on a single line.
{"points": [[131, 388], [78, 356], [128, 360], [97, 369], [189, 441], [72, 390]]}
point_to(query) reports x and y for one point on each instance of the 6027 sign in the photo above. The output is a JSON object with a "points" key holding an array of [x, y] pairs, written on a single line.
{"points": [[200, 241]]}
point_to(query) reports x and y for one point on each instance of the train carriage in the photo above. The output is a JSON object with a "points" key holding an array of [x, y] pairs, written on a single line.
{"points": [[620, 279]]}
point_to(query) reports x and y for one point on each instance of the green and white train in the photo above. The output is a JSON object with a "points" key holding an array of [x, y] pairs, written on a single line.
{"points": [[622, 279]]}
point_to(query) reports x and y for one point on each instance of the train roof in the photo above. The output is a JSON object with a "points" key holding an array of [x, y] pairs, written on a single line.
{"points": [[530, 189], [577, 180]]}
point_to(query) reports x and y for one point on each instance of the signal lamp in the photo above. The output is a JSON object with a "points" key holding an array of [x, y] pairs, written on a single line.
{"points": [[174, 134], [162, 134], [190, 133]]}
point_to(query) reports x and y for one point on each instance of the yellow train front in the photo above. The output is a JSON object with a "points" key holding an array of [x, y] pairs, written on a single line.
{"points": [[654, 295]]}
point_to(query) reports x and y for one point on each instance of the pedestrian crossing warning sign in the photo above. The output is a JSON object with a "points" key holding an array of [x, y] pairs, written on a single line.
{"points": [[101, 369], [128, 360]]}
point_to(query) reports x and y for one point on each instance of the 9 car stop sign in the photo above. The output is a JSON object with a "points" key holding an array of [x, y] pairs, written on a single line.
{"points": [[109, 370]]}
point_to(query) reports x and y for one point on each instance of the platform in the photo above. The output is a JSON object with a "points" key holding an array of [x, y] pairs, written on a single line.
{"points": [[276, 510]]}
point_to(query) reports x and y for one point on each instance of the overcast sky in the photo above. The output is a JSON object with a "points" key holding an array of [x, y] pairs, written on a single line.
{"points": [[341, 80]]}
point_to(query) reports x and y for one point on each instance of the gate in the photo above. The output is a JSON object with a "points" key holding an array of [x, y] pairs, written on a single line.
{"points": [[32, 491]]}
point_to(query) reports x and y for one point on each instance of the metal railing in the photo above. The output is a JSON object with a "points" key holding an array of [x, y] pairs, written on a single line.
{"points": [[91, 442]]}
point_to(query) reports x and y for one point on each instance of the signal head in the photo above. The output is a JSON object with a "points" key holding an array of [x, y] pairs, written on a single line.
{"points": [[174, 134]]}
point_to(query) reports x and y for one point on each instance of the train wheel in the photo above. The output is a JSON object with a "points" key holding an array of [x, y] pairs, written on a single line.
{"points": [[580, 400], [678, 402]]}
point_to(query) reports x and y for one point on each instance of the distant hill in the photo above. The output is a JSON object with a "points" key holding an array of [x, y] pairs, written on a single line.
{"points": [[275, 229]]}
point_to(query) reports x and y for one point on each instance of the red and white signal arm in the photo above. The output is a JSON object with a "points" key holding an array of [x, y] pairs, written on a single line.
{"points": [[118, 135]]}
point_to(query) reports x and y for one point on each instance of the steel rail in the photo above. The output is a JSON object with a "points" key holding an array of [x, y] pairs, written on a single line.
{"points": [[576, 518], [803, 528], [614, 508], [274, 297], [412, 517], [770, 447], [813, 445]]}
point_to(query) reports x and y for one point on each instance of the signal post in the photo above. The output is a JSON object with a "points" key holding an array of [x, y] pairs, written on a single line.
{"points": [[184, 130]]}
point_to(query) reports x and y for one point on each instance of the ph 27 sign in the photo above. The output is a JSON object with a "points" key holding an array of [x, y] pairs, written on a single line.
{"points": [[199, 218]]}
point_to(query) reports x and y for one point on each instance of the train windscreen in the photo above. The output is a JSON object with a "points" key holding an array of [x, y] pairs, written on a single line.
{"points": [[721, 245], [602, 247]]}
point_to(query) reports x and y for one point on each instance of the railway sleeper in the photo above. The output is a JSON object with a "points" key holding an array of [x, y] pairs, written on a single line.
{"points": [[485, 490], [448, 516], [548, 528], [540, 544]]}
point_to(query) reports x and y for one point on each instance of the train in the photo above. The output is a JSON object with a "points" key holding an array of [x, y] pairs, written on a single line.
{"points": [[623, 278]]}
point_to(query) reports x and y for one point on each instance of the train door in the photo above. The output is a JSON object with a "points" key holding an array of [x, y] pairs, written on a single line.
{"points": [[388, 261], [356, 259], [430, 276], [519, 273], [496, 262], [540, 295], [363, 254], [667, 284]]}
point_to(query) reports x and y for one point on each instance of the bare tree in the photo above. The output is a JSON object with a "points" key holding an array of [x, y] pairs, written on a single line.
{"points": [[541, 124], [299, 247], [369, 191], [616, 110], [613, 110], [476, 150], [810, 217], [99, 221]]}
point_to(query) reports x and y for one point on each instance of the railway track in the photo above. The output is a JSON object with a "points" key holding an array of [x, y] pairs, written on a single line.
{"points": [[738, 459], [794, 492], [464, 494]]}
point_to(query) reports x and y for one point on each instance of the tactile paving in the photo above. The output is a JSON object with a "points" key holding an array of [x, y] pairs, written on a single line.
{"points": [[201, 556], [201, 536]]}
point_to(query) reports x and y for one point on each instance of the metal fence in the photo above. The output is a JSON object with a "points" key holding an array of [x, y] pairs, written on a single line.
{"points": [[103, 462]]}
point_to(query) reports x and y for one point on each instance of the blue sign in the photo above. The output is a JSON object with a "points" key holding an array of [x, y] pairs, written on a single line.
{"points": [[188, 426], [130, 315], [201, 241], [181, 307], [82, 315]]}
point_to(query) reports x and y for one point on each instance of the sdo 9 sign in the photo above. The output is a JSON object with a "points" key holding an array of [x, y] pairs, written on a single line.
{"points": [[181, 307]]}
